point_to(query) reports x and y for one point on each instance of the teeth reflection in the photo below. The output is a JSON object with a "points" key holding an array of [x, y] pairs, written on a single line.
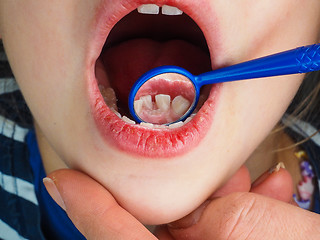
{"points": [[147, 101], [180, 105], [163, 102], [138, 104], [149, 9], [169, 10], [162, 105]]}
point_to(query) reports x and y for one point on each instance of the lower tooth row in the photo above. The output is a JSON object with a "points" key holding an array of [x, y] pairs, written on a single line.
{"points": [[163, 102], [151, 125]]}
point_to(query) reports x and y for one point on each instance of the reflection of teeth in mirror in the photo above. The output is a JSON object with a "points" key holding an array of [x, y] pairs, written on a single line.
{"points": [[147, 101], [155, 112], [109, 96], [176, 125], [163, 102], [110, 99], [180, 105], [138, 104], [128, 120]]}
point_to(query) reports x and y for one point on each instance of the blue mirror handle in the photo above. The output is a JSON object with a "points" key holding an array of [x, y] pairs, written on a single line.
{"points": [[299, 60]]}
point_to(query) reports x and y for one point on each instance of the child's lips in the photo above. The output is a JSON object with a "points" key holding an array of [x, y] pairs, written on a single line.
{"points": [[136, 139], [148, 142]]}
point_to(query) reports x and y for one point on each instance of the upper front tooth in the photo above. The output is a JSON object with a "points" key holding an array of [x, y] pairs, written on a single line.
{"points": [[149, 9], [169, 10]]}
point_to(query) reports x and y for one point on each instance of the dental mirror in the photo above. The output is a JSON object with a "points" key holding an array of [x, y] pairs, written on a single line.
{"points": [[169, 94]]}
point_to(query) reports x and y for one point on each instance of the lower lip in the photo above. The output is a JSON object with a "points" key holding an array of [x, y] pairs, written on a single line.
{"points": [[147, 142]]}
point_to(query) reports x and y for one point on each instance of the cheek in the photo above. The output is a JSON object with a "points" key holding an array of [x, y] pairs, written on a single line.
{"points": [[246, 114], [252, 28], [252, 108]]}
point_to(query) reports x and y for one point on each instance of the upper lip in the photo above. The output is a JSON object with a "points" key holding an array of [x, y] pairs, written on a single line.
{"points": [[157, 143]]}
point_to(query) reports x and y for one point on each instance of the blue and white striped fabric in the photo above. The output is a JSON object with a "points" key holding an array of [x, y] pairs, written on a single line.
{"points": [[26, 209], [19, 210]]}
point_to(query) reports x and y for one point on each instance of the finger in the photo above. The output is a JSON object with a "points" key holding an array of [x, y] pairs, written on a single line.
{"points": [[92, 208], [239, 182], [162, 233], [251, 216], [276, 183]]}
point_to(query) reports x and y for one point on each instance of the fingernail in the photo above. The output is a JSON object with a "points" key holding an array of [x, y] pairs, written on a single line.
{"points": [[277, 167], [53, 191], [191, 219], [274, 169]]}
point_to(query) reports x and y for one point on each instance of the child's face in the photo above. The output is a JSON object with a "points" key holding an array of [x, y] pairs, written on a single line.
{"points": [[158, 175]]}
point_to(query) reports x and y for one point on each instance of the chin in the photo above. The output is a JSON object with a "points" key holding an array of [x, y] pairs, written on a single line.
{"points": [[157, 191]]}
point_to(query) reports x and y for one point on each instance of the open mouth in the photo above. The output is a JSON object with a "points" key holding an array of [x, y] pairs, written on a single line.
{"points": [[147, 37]]}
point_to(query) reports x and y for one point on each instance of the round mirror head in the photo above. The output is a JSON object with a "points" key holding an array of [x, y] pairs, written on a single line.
{"points": [[165, 99]]}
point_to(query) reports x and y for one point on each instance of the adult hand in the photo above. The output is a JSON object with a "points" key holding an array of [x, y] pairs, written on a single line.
{"points": [[266, 212], [92, 209], [240, 215]]}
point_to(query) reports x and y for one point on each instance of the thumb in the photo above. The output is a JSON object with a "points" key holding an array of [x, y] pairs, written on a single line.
{"points": [[91, 208], [251, 216]]}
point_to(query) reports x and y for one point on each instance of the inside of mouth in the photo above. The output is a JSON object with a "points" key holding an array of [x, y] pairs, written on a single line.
{"points": [[141, 42]]}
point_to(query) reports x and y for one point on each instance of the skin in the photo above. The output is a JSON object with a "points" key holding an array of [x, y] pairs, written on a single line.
{"points": [[46, 43]]}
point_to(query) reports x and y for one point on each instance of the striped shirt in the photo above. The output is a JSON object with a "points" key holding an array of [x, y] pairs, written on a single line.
{"points": [[26, 209]]}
